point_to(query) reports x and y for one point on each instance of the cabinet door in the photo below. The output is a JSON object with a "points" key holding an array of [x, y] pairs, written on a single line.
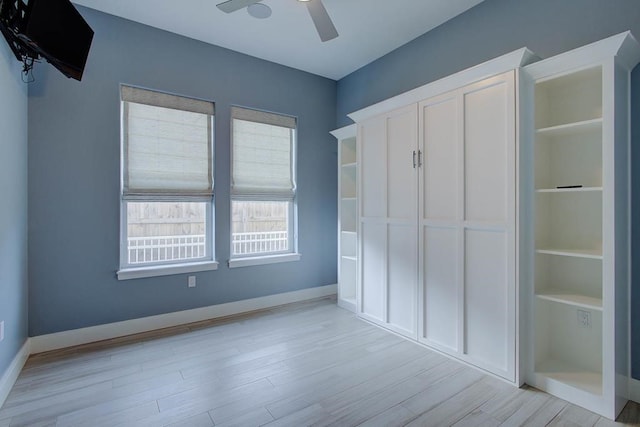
{"points": [[467, 224], [388, 246], [372, 141], [440, 217], [489, 224], [402, 243]]}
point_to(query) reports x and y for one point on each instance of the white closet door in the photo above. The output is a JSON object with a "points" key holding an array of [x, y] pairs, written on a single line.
{"points": [[467, 224], [402, 211], [388, 246], [373, 226], [440, 217], [489, 224]]}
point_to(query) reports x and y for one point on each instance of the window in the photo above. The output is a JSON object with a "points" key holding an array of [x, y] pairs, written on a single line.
{"points": [[167, 184], [263, 186]]}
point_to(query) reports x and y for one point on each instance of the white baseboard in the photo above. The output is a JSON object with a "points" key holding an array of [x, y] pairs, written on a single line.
{"points": [[10, 376], [634, 390], [74, 337]]}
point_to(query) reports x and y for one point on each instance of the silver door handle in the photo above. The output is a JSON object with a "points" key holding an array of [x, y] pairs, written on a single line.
{"points": [[414, 159]]}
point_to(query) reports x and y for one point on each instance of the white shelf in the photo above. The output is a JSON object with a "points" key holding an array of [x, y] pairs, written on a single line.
{"points": [[572, 375], [348, 240], [348, 216], [578, 253], [557, 295], [570, 190], [348, 150], [572, 128]]}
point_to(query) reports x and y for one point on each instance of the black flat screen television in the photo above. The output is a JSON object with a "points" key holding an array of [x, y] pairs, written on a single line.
{"points": [[52, 29], [57, 31]]}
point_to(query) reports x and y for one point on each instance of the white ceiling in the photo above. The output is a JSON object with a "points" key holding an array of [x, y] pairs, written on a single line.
{"points": [[368, 29]]}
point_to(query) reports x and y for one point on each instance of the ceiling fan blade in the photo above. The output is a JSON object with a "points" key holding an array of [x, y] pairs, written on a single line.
{"points": [[233, 5], [322, 20]]}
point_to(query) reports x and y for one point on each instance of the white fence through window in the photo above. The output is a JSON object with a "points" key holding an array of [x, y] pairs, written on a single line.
{"points": [[175, 248], [165, 248], [260, 242]]}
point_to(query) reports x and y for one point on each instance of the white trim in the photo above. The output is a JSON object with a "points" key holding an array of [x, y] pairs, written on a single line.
{"points": [[501, 64], [165, 270], [623, 46], [634, 390], [75, 337], [345, 132], [10, 376], [347, 305], [263, 260]]}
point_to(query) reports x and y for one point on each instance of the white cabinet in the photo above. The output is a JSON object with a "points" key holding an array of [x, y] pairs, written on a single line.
{"points": [[437, 222], [347, 216], [494, 219], [388, 245], [577, 291], [467, 223]]}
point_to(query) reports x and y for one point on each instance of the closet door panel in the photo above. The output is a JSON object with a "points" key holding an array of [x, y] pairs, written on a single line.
{"points": [[441, 295], [402, 269], [486, 298], [373, 168], [373, 283], [441, 160], [402, 137], [488, 128]]}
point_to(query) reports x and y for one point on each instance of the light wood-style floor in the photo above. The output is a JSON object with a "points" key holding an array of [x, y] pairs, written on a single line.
{"points": [[303, 364]]}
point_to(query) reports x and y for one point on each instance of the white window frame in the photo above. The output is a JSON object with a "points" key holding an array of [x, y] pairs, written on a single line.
{"points": [[292, 253], [163, 268]]}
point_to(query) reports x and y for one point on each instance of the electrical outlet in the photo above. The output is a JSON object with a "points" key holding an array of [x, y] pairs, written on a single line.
{"points": [[584, 319], [1, 331], [192, 281]]}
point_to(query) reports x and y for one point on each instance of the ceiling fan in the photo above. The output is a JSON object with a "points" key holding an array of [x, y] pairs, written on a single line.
{"points": [[321, 19]]}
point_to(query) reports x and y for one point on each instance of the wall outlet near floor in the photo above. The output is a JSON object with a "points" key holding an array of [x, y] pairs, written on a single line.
{"points": [[584, 319], [1, 331], [192, 281]]}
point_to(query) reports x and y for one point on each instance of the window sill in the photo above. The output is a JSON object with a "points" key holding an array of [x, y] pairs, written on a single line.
{"points": [[262, 260], [165, 270]]}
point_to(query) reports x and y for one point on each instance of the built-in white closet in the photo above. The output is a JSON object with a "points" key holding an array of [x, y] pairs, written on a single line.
{"points": [[437, 222], [494, 218]]}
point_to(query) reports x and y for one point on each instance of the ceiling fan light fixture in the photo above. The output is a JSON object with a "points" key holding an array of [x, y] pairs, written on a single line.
{"points": [[259, 10], [321, 19]]}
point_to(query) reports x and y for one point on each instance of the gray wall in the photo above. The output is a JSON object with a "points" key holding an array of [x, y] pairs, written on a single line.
{"points": [[74, 167], [495, 27], [13, 214]]}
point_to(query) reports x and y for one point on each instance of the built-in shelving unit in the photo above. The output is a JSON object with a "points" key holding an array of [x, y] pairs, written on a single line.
{"points": [[347, 217], [577, 327], [569, 228]]}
